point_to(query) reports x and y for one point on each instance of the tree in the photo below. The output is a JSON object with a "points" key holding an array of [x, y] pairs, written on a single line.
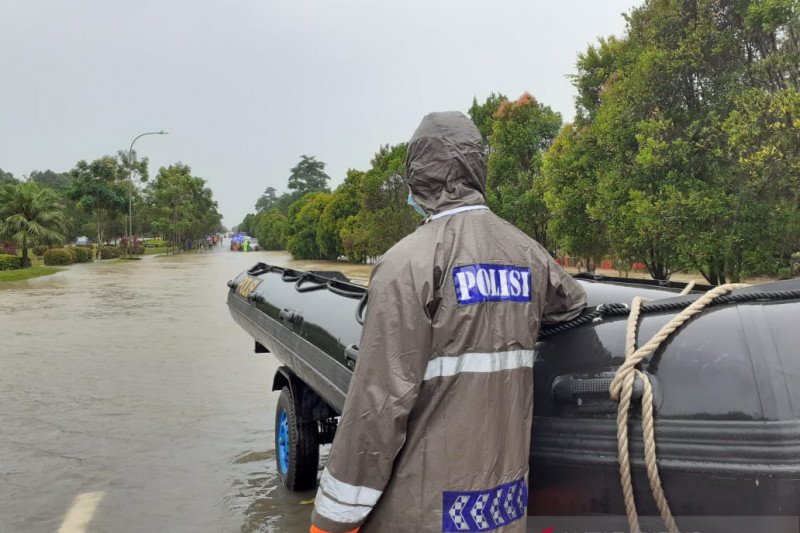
{"points": [[6, 178], [345, 202], [29, 215], [570, 185], [248, 224], [763, 136], [596, 68], [356, 238], [385, 216], [181, 205], [483, 114], [522, 131], [303, 222], [678, 113], [271, 229], [100, 188], [55, 180], [267, 200], [81, 220], [308, 176]]}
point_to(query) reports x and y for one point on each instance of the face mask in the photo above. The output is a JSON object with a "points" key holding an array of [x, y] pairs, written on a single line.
{"points": [[413, 203]]}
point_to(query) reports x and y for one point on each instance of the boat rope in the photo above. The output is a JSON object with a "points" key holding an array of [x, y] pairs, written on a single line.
{"points": [[659, 306], [621, 390], [688, 288]]}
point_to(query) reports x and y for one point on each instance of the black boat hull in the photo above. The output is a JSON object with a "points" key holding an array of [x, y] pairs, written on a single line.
{"points": [[727, 389]]}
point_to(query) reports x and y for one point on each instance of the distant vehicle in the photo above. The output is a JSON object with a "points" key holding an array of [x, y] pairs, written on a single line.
{"points": [[83, 240]]}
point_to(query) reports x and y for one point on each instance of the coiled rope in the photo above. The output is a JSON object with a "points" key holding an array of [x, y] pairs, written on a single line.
{"points": [[621, 390]]}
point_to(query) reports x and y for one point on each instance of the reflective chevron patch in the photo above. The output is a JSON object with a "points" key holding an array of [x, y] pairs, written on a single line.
{"points": [[484, 510]]}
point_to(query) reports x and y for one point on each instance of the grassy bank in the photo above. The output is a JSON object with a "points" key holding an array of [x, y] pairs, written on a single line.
{"points": [[157, 250], [27, 273]]}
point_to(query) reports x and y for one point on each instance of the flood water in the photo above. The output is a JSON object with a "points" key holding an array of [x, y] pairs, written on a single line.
{"points": [[131, 381]]}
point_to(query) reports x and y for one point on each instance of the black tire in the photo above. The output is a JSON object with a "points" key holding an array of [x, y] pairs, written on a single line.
{"points": [[299, 469]]}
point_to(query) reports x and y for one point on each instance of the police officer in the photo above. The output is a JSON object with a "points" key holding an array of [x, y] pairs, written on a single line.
{"points": [[435, 432]]}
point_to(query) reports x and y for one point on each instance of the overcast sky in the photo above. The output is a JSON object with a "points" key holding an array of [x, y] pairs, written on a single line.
{"points": [[246, 87]]}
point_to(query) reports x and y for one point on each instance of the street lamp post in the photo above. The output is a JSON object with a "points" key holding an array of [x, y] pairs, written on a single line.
{"points": [[130, 184]]}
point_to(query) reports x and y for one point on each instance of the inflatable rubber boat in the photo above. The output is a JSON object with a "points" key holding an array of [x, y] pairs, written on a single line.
{"points": [[726, 391]]}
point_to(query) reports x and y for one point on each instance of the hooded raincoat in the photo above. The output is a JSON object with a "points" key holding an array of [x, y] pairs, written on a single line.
{"points": [[435, 432]]}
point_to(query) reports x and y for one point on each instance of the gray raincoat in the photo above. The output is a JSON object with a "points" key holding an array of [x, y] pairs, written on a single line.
{"points": [[435, 433]]}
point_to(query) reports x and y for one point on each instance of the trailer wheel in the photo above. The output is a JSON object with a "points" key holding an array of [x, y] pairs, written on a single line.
{"points": [[296, 445]]}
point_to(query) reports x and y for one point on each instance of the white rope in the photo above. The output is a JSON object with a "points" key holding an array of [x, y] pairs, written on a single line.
{"points": [[621, 390], [688, 288]]}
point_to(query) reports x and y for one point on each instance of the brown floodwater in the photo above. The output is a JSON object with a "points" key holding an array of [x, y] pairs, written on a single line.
{"points": [[130, 381]]}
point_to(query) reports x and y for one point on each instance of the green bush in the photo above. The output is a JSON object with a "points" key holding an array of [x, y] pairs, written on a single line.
{"points": [[39, 250], [137, 249], [82, 255], [110, 252], [794, 263], [10, 262], [59, 256], [785, 273]]}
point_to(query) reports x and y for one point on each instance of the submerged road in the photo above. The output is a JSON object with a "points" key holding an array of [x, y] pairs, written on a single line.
{"points": [[131, 402]]}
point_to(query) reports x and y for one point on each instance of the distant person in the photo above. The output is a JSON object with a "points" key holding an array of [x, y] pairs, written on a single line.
{"points": [[435, 432]]}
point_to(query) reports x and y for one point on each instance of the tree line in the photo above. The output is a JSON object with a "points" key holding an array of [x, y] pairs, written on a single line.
{"points": [[50, 208], [684, 154], [361, 219]]}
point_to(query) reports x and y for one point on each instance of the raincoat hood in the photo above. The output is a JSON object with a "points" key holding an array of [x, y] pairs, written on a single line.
{"points": [[446, 163]]}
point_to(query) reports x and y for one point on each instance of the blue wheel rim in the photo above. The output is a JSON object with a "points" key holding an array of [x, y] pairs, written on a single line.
{"points": [[283, 442]]}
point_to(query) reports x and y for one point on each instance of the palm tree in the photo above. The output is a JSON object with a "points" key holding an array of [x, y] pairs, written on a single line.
{"points": [[31, 214]]}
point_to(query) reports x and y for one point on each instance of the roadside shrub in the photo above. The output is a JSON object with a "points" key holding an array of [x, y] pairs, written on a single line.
{"points": [[785, 273], [110, 252], [10, 262], [82, 255], [794, 263], [137, 249], [40, 249], [59, 256]]}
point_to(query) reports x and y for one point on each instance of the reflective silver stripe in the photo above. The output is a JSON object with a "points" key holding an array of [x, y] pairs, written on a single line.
{"points": [[343, 502], [478, 362], [457, 210], [347, 493], [340, 512]]}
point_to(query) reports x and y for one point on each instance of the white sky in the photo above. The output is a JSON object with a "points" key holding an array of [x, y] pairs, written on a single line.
{"points": [[246, 87]]}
